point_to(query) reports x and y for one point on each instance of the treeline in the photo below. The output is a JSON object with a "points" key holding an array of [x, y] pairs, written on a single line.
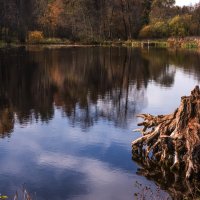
{"points": [[167, 20], [96, 20]]}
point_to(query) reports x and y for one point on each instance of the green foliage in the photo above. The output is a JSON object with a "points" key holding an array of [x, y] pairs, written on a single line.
{"points": [[180, 25], [190, 45], [3, 197], [160, 30], [54, 41]]}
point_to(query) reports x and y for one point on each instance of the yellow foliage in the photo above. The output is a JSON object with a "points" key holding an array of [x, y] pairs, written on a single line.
{"points": [[146, 32], [156, 30], [180, 25], [35, 36], [160, 29]]}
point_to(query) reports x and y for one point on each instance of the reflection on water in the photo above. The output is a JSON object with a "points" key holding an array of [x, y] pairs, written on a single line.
{"points": [[66, 115], [86, 84], [173, 181]]}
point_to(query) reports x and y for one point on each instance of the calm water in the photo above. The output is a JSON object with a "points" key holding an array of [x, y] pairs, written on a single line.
{"points": [[67, 115]]}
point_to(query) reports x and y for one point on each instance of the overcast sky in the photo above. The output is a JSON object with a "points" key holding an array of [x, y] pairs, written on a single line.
{"points": [[186, 2]]}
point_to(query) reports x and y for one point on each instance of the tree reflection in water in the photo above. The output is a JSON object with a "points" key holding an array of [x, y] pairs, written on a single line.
{"points": [[86, 83]]}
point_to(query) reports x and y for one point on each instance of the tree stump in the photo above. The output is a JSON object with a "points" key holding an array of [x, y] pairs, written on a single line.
{"points": [[172, 140]]}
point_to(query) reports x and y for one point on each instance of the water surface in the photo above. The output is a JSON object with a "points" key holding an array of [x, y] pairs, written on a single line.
{"points": [[67, 115]]}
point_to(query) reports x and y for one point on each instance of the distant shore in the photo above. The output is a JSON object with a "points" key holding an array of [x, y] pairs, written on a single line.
{"points": [[184, 43]]}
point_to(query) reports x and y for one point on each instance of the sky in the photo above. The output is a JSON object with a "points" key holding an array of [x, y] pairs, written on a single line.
{"points": [[186, 2]]}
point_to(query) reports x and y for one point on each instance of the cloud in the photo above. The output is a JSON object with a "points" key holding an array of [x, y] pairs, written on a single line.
{"points": [[102, 181], [186, 2]]}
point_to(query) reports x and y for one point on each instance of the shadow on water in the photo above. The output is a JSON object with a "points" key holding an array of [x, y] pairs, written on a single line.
{"points": [[89, 84]]}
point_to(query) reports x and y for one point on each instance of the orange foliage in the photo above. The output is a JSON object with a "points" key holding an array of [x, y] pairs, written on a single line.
{"points": [[35, 36], [51, 16]]}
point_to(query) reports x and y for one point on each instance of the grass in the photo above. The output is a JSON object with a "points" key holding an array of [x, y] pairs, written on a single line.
{"points": [[136, 43], [21, 194], [50, 41], [190, 45], [3, 44]]}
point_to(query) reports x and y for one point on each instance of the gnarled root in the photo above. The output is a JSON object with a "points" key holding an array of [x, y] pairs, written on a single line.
{"points": [[174, 139]]}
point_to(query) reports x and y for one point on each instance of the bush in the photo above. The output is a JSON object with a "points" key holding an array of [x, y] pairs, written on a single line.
{"points": [[35, 36], [55, 41], [160, 30], [180, 25], [146, 32], [157, 30]]}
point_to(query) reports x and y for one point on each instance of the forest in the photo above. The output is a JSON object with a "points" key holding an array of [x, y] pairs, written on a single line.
{"points": [[96, 20]]}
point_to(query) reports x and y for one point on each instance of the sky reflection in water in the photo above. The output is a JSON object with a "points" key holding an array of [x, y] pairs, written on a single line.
{"points": [[66, 116]]}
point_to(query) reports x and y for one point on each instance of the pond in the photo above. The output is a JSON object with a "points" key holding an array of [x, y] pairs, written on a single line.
{"points": [[67, 115]]}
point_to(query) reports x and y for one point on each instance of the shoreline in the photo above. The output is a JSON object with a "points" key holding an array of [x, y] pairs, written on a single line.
{"points": [[178, 43]]}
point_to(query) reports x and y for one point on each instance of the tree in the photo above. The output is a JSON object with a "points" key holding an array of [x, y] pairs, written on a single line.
{"points": [[160, 10], [180, 25], [146, 11], [8, 22], [195, 24], [95, 20], [51, 17]]}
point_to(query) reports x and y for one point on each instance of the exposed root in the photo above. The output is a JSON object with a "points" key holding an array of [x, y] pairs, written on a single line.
{"points": [[174, 139]]}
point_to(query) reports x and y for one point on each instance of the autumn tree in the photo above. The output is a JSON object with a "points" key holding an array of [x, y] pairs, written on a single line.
{"points": [[96, 20], [160, 10], [180, 25], [51, 17], [195, 25]]}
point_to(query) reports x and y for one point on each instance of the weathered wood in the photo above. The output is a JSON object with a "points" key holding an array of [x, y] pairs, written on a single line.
{"points": [[173, 140]]}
